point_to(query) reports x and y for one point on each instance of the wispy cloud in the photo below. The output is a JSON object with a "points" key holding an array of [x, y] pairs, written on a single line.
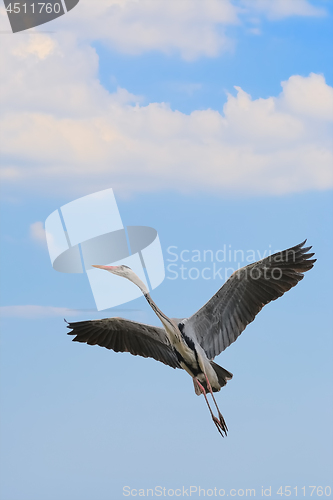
{"points": [[280, 9], [254, 31], [31, 311], [188, 88], [35, 311], [37, 232]]}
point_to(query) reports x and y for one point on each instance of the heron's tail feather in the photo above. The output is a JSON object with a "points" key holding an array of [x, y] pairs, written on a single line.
{"points": [[222, 374]]}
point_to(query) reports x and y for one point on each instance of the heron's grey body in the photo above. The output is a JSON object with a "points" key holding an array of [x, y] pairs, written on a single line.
{"points": [[193, 343]]}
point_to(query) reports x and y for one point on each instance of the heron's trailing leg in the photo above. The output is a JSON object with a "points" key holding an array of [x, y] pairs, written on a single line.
{"points": [[222, 421], [216, 421]]}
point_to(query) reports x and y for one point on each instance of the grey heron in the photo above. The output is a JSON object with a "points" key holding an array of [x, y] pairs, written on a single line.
{"points": [[192, 343]]}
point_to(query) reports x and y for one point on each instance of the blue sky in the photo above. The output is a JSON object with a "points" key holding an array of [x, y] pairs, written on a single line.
{"points": [[141, 98]]}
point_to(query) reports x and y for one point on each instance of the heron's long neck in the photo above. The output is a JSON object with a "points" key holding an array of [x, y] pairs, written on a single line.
{"points": [[168, 324], [170, 327]]}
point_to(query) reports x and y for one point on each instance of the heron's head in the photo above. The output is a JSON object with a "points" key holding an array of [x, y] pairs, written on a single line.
{"points": [[122, 270], [125, 272]]}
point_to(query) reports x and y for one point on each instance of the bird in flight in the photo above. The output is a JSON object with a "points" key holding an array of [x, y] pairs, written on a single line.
{"points": [[193, 343]]}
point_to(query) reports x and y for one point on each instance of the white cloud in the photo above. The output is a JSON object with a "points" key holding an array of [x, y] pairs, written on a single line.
{"points": [[41, 47], [193, 28], [279, 9], [37, 232], [30, 311], [35, 312], [64, 133], [309, 97]]}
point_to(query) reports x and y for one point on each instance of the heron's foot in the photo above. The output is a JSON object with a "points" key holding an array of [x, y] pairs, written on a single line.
{"points": [[222, 423], [219, 426]]}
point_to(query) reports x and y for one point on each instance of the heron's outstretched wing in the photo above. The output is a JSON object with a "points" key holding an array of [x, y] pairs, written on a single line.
{"points": [[223, 318], [123, 335]]}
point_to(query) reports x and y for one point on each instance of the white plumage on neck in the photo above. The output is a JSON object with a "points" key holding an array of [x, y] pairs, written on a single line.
{"points": [[126, 272]]}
